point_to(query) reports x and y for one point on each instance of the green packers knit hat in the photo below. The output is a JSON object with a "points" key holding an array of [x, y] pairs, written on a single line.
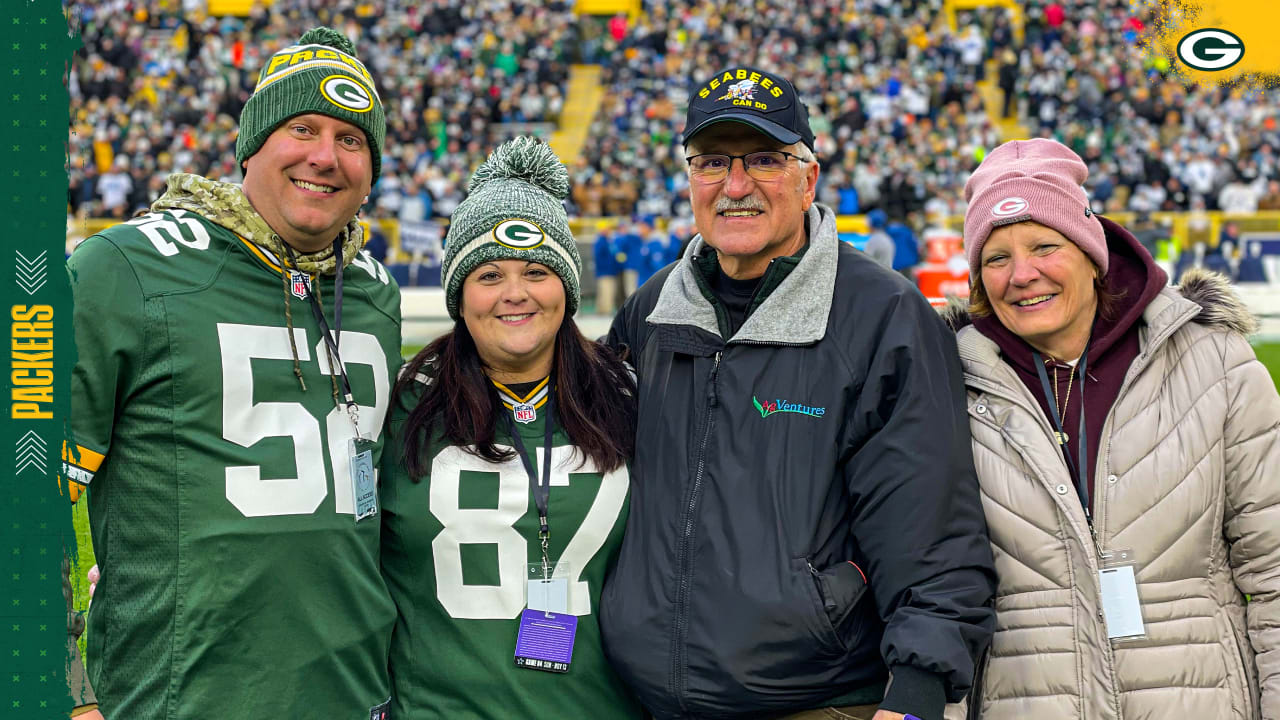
{"points": [[514, 210], [320, 74]]}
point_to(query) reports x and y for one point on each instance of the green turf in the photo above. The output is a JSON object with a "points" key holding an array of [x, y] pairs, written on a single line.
{"points": [[84, 560], [1269, 354]]}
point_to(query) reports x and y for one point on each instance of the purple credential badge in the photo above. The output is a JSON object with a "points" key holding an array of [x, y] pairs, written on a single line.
{"points": [[545, 641]]}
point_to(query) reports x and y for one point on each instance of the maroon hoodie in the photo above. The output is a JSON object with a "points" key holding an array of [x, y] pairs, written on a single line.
{"points": [[1133, 275]]}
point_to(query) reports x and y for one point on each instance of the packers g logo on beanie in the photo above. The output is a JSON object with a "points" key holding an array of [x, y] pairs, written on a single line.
{"points": [[346, 93], [320, 74], [514, 210], [518, 234]]}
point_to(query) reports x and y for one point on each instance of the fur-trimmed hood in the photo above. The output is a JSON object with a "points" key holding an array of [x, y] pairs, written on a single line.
{"points": [[1219, 304], [1211, 291]]}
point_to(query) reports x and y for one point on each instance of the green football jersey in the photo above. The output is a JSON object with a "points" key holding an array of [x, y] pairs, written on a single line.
{"points": [[455, 553], [235, 580]]}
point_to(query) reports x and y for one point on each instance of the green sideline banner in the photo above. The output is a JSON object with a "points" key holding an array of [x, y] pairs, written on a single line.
{"points": [[35, 522]]}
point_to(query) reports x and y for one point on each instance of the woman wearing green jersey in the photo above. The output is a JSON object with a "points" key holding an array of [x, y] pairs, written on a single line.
{"points": [[509, 438]]}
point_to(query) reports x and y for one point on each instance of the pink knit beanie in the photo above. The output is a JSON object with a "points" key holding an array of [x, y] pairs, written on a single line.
{"points": [[1038, 180]]}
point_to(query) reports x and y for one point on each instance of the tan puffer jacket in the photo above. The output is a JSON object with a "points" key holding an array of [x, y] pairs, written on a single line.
{"points": [[1189, 479]]}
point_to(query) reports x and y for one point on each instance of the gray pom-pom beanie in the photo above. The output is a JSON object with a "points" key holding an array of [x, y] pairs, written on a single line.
{"points": [[514, 210]]}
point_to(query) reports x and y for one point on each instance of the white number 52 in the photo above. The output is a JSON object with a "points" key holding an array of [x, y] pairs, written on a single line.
{"points": [[245, 422]]}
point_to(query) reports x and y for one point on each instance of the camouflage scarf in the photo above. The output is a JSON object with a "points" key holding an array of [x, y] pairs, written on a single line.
{"points": [[226, 204]]}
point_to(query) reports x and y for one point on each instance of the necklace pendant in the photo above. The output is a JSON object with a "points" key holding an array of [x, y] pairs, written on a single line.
{"points": [[1062, 438], [524, 412]]}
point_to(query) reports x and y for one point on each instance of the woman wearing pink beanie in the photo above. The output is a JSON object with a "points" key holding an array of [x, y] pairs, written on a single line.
{"points": [[1126, 441]]}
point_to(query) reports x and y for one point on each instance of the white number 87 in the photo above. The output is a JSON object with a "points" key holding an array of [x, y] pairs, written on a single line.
{"points": [[495, 526]]}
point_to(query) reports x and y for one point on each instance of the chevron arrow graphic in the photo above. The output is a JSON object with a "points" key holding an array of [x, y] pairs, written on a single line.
{"points": [[30, 450], [31, 273]]}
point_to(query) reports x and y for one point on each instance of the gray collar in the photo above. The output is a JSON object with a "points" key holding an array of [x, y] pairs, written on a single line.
{"points": [[795, 313]]}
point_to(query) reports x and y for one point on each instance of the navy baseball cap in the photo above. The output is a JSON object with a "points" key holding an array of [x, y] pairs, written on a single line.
{"points": [[766, 101]]}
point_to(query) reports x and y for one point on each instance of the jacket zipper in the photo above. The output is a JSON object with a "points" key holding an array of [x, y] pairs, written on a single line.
{"points": [[1139, 364], [679, 660], [973, 709]]}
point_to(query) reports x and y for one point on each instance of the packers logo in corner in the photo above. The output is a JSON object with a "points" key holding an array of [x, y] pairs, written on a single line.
{"points": [[346, 93], [1210, 49], [518, 234]]}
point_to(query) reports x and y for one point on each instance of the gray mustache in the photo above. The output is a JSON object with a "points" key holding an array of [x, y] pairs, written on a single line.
{"points": [[750, 202]]}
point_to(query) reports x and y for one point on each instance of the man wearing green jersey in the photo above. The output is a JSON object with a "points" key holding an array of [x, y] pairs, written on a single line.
{"points": [[236, 353]]}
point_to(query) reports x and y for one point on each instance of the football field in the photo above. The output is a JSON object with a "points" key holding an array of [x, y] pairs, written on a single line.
{"points": [[1269, 354]]}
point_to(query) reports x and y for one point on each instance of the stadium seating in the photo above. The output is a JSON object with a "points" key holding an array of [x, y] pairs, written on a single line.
{"points": [[905, 99]]}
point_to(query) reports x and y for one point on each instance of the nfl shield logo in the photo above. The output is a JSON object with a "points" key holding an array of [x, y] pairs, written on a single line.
{"points": [[525, 413], [299, 283]]}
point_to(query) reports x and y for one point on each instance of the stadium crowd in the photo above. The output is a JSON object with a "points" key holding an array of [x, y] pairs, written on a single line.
{"points": [[894, 96], [154, 90]]}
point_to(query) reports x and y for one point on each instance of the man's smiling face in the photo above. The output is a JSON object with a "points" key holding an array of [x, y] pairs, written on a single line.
{"points": [[749, 222], [309, 179]]}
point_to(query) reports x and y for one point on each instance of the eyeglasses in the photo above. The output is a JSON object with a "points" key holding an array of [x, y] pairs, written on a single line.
{"points": [[709, 168]]}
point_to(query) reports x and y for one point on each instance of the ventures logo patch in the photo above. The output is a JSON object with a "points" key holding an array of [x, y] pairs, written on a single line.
{"points": [[770, 407]]}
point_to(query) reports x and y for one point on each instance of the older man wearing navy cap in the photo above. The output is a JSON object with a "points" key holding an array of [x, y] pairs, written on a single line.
{"points": [[805, 520]]}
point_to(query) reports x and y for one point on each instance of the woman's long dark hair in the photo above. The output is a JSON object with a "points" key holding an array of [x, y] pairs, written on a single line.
{"points": [[595, 400]]}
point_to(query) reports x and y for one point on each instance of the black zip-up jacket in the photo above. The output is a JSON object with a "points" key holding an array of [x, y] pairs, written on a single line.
{"points": [[826, 440]]}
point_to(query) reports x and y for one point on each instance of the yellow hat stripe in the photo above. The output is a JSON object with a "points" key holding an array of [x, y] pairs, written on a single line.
{"points": [[267, 81]]}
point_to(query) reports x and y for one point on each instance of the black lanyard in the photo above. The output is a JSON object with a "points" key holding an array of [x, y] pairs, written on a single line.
{"points": [[541, 488], [1081, 468], [330, 338]]}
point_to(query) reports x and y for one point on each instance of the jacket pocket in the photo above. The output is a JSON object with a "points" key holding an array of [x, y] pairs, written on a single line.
{"points": [[1237, 664], [837, 590]]}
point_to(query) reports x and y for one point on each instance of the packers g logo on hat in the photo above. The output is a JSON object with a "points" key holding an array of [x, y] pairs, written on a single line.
{"points": [[346, 93], [1009, 207], [518, 234]]}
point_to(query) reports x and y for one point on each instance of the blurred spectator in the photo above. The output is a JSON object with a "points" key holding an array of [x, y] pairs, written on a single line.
{"points": [[879, 246], [1193, 258], [114, 187], [973, 51], [1238, 197], [659, 250], [1252, 269], [906, 247], [1219, 258], [1271, 200], [1008, 80], [376, 244], [589, 197], [1147, 232], [605, 252], [630, 242], [416, 204], [620, 196]]}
